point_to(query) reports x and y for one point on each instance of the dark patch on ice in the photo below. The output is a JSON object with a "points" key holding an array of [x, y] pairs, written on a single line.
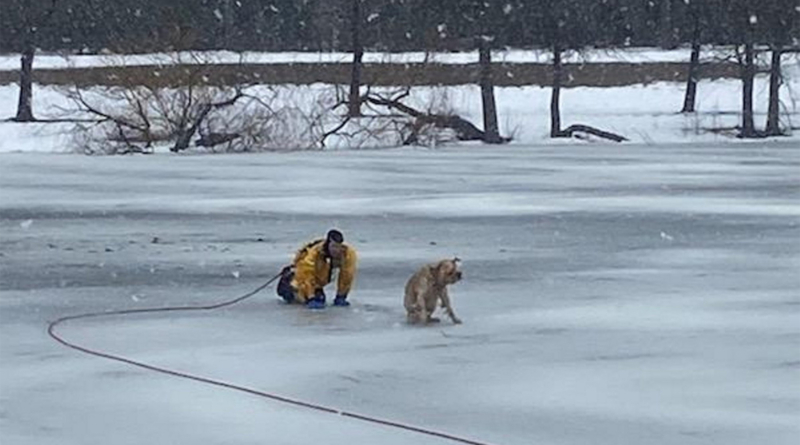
{"points": [[697, 434], [452, 360], [622, 357], [793, 364], [550, 331], [750, 306], [594, 297], [39, 356], [349, 378], [372, 308], [775, 162], [472, 338], [118, 374], [434, 346]]}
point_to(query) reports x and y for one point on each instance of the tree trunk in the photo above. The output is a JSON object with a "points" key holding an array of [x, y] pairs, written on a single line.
{"points": [[354, 105], [25, 104], [748, 77], [773, 113], [555, 98], [691, 82], [487, 94]]}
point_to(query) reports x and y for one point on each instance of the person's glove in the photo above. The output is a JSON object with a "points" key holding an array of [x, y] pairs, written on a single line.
{"points": [[341, 300], [318, 302]]}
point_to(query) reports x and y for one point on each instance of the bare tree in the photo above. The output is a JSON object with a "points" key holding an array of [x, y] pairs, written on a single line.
{"points": [[748, 74], [773, 127], [744, 18], [779, 17], [34, 14], [490, 127], [354, 105], [485, 16], [690, 98], [699, 14], [563, 26], [25, 102], [555, 95], [383, 117]]}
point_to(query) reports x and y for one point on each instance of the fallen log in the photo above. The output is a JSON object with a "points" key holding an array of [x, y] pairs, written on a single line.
{"points": [[464, 129], [579, 128]]}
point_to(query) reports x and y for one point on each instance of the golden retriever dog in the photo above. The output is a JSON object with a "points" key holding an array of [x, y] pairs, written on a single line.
{"points": [[427, 287]]}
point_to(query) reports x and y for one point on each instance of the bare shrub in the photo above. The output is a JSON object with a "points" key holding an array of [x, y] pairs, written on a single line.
{"points": [[188, 113], [141, 114]]}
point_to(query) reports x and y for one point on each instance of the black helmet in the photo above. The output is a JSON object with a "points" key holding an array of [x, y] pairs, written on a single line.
{"points": [[334, 235]]}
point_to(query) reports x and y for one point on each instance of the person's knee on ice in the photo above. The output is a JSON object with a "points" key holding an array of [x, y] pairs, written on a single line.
{"points": [[284, 288]]}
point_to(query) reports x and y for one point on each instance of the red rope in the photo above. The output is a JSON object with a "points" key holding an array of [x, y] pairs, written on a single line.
{"points": [[51, 330]]}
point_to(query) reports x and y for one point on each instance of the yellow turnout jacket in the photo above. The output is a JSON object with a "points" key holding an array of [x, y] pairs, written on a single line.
{"points": [[313, 271]]}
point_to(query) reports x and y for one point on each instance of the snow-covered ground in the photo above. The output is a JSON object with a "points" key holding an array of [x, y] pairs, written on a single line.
{"points": [[613, 294], [632, 55], [646, 114]]}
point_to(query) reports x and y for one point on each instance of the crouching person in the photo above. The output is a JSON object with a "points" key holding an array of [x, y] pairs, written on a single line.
{"points": [[303, 281]]}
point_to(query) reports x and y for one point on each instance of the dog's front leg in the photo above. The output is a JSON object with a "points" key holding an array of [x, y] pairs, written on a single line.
{"points": [[423, 311], [447, 307]]}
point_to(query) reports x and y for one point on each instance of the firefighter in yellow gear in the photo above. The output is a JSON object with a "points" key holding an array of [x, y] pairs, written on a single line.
{"points": [[304, 280]]}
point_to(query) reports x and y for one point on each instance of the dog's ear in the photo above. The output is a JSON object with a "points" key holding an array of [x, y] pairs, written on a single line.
{"points": [[456, 259]]}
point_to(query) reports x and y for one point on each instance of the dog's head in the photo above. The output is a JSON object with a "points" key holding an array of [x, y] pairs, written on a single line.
{"points": [[447, 271]]}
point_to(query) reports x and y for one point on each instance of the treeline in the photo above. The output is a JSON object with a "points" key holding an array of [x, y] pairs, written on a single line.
{"points": [[91, 26]]}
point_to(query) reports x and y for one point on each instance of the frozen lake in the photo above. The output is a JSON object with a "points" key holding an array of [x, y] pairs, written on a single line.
{"points": [[612, 295]]}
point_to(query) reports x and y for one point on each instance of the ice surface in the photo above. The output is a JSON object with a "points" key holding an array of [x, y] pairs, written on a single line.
{"points": [[612, 295]]}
